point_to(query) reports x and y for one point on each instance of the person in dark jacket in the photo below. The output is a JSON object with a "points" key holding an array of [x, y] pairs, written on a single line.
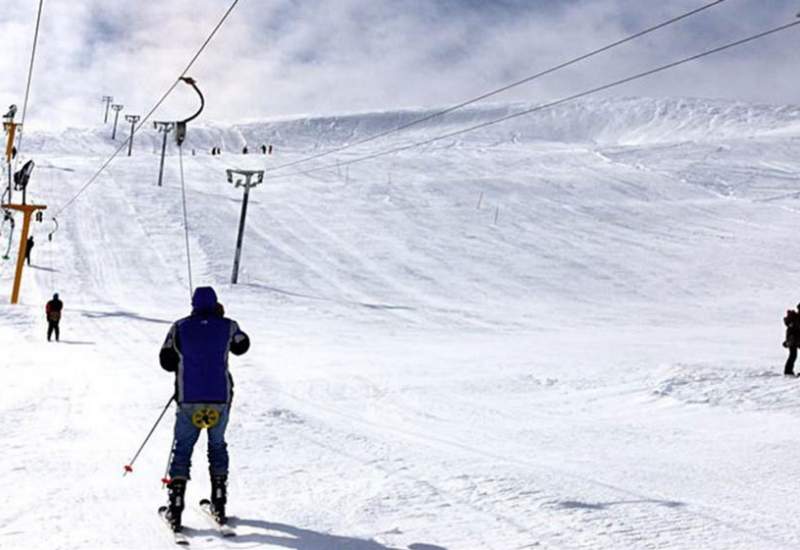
{"points": [[28, 249], [53, 312], [792, 341], [196, 350]]}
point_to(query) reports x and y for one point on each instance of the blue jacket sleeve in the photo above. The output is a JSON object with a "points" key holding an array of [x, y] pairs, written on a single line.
{"points": [[240, 342], [169, 357]]}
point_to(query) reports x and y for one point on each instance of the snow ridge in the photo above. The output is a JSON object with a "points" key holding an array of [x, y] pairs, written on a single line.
{"points": [[625, 121]]}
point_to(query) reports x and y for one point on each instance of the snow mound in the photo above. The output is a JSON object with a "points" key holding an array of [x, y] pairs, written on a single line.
{"points": [[755, 389], [626, 121]]}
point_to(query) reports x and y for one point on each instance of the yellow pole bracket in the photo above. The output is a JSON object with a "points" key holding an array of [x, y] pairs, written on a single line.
{"points": [[11, 129], [27, 212]]}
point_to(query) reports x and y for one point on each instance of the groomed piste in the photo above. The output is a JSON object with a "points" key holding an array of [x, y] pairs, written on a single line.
{"points": [[561, 332]]}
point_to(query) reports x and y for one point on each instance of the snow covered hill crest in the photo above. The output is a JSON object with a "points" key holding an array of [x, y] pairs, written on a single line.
{"points": [[623, 121]]}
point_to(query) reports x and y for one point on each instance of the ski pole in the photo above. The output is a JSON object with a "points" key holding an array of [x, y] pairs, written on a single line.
{"points": [[129, 465], [166, 480]]}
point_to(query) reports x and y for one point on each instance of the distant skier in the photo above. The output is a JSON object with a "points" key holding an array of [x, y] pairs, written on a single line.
{"points": [[245, 150], [263, 149], [196, 350], [28, 249], [792, 341], [53, 312], [269, 151]]}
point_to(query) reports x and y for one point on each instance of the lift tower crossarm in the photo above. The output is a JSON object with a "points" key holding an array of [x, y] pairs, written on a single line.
{"points": [[27, 212]]}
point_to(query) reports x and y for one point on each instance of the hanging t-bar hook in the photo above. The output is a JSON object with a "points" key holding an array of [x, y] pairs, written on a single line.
{"points": [[180, 126], [53, 232]]}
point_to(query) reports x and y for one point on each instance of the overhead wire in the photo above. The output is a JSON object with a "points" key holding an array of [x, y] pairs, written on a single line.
{"points": [[544, 106], [30, 77], [502, 89], [150, 113], [18, 139], [186, 223]]}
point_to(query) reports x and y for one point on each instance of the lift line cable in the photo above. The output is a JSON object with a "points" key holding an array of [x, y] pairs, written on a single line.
{"points": [[186, 224], [545, 106], [505, 88], [30, 79], [146, 118]]}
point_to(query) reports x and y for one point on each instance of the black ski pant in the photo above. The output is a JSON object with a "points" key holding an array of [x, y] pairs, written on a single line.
{"points": [[789, 368], [52, 326]]}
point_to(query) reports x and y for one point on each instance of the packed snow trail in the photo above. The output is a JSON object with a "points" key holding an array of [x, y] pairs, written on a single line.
{"points": [[597, 369]]}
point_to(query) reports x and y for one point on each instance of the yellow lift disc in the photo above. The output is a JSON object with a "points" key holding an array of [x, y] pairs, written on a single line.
{"points": [[205, 417]]}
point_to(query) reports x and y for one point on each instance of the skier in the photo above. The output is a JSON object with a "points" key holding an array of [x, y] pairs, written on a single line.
{"points": [[28, 249], [53, 312], [792, 341], [244, 150], [263, 149], [196, 350]]}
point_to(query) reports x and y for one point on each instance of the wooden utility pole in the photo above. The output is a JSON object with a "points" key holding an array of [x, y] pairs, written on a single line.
{"points": [[27, 211]]}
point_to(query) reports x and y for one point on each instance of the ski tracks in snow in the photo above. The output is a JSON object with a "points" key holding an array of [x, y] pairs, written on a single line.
{"points": [[533, 502]]}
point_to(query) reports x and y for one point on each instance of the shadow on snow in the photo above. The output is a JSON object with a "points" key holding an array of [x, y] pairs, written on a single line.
{"points": [[76, 342], [123, 314], [331, 300], [578, 505], [278, 534]]}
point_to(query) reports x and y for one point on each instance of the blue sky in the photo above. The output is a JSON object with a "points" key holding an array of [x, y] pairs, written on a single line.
{"points": [[281, 57]]}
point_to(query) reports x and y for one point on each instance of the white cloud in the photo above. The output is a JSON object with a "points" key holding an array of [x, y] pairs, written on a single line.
{"points": [[278, 57]]}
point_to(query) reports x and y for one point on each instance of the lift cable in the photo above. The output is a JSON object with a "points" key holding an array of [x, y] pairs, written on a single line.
{"points": [[544, 106], [30, 78], [145, 119], [505, 88]]}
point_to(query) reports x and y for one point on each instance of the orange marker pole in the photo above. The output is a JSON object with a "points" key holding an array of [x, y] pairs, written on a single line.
{"points": [[27, 210]]}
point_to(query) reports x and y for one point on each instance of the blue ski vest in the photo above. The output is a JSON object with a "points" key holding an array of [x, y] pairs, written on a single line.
{"points": [[201, 343]]}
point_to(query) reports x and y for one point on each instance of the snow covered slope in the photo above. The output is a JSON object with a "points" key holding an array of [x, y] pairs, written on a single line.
{"points": [[632, 121], [561, 332]]}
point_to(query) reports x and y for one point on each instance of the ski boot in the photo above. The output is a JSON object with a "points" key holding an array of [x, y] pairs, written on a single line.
{"points": [[219, 497], [177, 491]]}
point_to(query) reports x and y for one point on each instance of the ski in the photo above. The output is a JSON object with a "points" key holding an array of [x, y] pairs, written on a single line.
{"points": [[223, 529], [179, 537]]}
